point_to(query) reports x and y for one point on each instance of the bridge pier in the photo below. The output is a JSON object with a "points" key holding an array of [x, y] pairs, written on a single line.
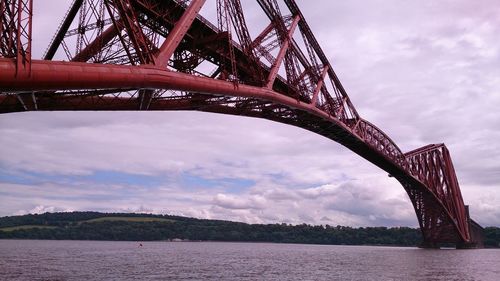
{"points": [[476, 240]]}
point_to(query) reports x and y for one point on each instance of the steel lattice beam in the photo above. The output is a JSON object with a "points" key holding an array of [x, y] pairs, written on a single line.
{"points": [[132, 71]]}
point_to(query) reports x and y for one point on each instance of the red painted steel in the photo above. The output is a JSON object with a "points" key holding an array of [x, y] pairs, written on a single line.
{"points": [[97, 44], [319, 86], [281, 54], [119, 64], [432, 165], [175, 36], [15, 33]]}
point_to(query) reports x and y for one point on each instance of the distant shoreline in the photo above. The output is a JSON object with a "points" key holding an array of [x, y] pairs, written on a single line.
{"points": [[201, 241], [95, 226]]}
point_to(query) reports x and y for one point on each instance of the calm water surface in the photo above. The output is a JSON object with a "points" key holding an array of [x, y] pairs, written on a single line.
{"points": [[98, 260]]}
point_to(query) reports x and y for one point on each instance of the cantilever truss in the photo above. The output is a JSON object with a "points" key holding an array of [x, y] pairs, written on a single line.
{"points": [[432, 166], [163, 55]]}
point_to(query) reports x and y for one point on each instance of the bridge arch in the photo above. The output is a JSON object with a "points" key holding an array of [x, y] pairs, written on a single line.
{"points": [[131, 70]]}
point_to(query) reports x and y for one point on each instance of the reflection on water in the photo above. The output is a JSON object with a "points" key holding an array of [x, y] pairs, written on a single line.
{"points": [[100, 260]]}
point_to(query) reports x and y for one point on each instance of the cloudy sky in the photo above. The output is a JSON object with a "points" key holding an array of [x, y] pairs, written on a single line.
{"points": [[423, 71]]}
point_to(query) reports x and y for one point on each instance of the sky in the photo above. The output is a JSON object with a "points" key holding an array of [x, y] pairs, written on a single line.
{"points": [[422, 71]]}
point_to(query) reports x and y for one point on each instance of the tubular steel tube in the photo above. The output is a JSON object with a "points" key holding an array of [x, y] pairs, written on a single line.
{"points": [[58, 75]]}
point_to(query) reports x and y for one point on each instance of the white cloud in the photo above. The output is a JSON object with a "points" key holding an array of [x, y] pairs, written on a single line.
{"points": [[237, 202], [40, 209]]}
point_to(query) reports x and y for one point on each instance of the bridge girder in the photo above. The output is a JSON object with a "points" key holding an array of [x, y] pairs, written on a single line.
{"points": [[153, 55]]}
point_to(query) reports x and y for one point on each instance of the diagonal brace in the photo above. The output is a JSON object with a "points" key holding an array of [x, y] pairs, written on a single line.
{"points": [[319, 85], [177, 33], [281, 54]]}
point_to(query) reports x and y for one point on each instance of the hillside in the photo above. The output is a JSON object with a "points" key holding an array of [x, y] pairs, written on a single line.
{"points": [[147, 227]]}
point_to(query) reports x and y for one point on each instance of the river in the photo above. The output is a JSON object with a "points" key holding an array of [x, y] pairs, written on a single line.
{"points": [[103, 260]]}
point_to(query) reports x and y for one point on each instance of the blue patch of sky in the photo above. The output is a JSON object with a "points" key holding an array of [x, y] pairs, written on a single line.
{"points": [[113, 177], [284, 180], [26, 178], [100, 177], [185, 180], [231, 185]]}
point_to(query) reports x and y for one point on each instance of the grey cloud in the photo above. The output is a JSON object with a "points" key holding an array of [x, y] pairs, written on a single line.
{"points": [[280, 194]]}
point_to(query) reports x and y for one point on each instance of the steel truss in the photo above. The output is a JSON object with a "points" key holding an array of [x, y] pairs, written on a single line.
{"points": [[163, 55]]}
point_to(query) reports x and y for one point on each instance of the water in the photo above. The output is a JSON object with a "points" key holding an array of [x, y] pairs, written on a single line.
{"points": [[102, 260]]}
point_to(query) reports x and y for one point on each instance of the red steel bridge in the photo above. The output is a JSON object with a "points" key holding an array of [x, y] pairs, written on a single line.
{"points": [[163, 55]]}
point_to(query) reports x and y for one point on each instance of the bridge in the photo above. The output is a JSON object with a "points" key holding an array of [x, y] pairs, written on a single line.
{"points": [[163, 55]]}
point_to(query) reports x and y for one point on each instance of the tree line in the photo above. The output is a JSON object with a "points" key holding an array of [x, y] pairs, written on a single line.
{"points": [[83, 226]]}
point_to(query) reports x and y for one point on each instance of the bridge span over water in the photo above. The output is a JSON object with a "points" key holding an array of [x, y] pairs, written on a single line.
{"points": [[163, 55]]}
